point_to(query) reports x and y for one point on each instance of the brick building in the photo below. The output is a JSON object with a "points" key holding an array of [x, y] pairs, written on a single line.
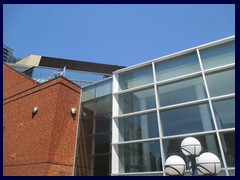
{"points": [[41, 143]]}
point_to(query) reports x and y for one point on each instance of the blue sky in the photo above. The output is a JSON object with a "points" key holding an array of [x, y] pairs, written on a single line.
{"points": [[113, 34]]}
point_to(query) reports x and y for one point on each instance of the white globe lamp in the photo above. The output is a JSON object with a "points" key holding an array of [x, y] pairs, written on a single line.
{"points": [[191, 146], [175, 166], [208, 164]]}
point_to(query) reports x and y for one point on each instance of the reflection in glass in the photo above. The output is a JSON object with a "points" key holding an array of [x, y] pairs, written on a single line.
{"points": [[177, 66], [137, 101], [101, 165], [224, 111], [136, 78], [218, 55], [221, 83], [102, 143], [138, 127], [194, 118], [83, 166], [228, 143], [182, 91], [140, 157]]}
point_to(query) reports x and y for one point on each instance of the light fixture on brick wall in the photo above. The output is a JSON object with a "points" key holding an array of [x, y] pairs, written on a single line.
{"points": [[35, 109], [73, 111]]}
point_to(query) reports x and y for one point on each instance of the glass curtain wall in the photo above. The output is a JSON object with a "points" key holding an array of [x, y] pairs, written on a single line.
{"points": [[157, 105], [93, 155], [43, 74]]}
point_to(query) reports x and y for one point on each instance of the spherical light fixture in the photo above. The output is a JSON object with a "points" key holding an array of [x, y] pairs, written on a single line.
{"points": [[208, 164], [175, 166], [191, 146]]}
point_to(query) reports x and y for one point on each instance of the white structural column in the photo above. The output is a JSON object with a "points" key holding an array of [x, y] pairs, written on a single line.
{"points": [[115, 131], [157, 100], [212, 112]]}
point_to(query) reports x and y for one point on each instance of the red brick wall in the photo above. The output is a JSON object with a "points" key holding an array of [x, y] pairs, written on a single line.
{"points": [[43, 144], [14, 82]]}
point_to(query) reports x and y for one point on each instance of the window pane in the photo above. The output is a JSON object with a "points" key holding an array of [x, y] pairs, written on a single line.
{"points": [[103, 123], [83, 166], [225, 113], [102, 143], [221, 83], [85, 146], [101, 165], [188, 119], [88, 93], [138, 127], [87, 117], [140, 157], [136, 78], [137, 101], [182, 91], [218, 55], [177, 66], [228, 143], [104, 88]]}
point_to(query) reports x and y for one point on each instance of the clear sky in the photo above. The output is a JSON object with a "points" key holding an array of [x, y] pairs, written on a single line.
{"points": [[113, 34]]}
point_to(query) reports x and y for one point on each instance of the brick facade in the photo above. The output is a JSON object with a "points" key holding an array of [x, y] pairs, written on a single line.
{"points": [[44, 143]]}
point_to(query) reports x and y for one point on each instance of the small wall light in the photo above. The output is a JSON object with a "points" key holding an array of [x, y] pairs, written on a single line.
{"points": [[35, 109], [73, 111]]}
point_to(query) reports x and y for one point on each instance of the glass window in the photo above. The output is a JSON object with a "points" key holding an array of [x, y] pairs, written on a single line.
{"points": [[221, 83], [177, 66], [136, 77], [83, 166], [182, 91], [228, 143], [103, 123], [85, 146], [218, 55], [189, 119], [209, 144], [87, 118], [101, 165], [102, 143], [224, 111], [138, 127], [88, 93], [104, 88], [137, 101], [140, 157]]}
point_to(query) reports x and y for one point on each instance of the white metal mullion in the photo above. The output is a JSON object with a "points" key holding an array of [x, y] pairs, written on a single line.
{"points": [[158, 116], [212, 112], [115, 130]]}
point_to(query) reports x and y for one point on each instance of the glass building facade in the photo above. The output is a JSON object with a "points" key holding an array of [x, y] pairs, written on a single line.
{"points": [[43, 74], [159, 103], [131, 123], [93, 152]]}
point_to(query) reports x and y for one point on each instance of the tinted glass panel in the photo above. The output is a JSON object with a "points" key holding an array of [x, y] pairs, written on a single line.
{"points": [[102, 143], [225, 113], [138, 127], [101, 166], [140, 157], [136, 101], [177, 66], [182, 91], [188, 119], [136, 78], [228, 143], [218, 55], [221, 83]]}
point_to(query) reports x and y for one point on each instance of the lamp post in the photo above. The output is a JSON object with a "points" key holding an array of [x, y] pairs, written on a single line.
{"points": [[205, 164]]}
